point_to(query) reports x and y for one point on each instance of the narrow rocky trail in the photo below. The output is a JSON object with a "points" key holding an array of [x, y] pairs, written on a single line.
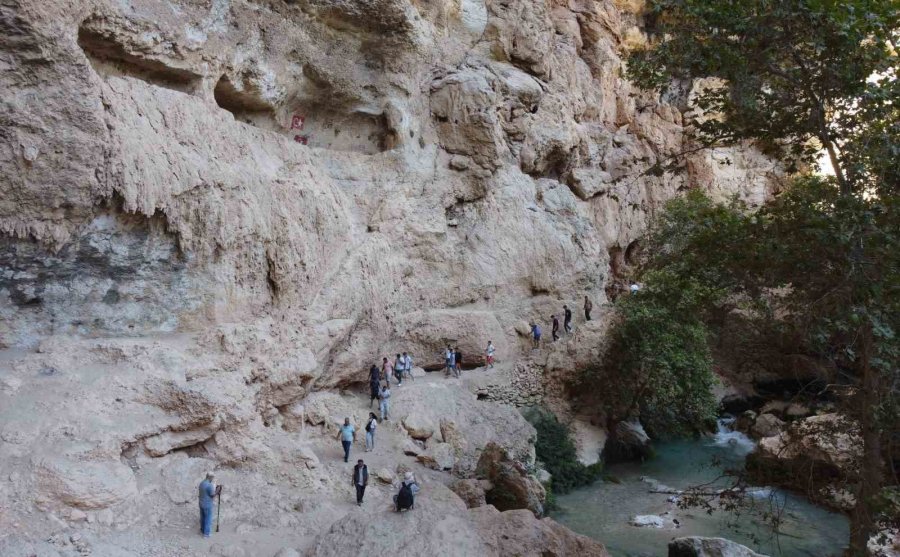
{"points": [[383, 462]]}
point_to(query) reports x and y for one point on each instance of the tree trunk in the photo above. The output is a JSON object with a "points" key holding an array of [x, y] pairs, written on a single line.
{"points": [[862, 519]]}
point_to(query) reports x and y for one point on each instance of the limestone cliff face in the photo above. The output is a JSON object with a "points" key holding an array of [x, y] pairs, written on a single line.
{"points": [[210, 209], [356, 169]]}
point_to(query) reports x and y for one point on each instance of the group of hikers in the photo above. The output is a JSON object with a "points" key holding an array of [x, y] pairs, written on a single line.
{"points": [[567, 322], [405, 498], [380, 390], [398, 369]]}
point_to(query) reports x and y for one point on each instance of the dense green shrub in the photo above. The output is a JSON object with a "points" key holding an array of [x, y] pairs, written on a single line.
{"points": [[556, 451]]}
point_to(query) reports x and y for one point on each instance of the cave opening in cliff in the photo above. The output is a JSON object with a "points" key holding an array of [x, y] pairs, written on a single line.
{"points": [[110, 58], [246, 106]]}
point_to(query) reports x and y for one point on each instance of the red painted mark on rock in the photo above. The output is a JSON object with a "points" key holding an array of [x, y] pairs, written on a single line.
{"points": [[302, 139], [297, 122]]}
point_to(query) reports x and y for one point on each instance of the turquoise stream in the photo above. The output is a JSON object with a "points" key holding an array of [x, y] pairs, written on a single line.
{"points": [[603, 510]]}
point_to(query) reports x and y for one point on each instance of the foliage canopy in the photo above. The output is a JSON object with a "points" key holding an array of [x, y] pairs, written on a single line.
{"points": [[820, 262]]}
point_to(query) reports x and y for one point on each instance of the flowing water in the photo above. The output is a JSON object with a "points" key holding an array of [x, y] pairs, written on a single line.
{"points": [[603, 510]]}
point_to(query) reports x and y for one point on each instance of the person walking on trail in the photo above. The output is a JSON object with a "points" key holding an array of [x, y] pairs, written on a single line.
{"points": [[398, 369], [407, 365], [535, 336], [347, 435], [457, 360], [385, 405], [588, 306], [449, 360], [489, 353], [371, 424], [555, 329], [567, 319], [374, 384], [208, 493], [387, 369], [406, 497], [360, 480]]}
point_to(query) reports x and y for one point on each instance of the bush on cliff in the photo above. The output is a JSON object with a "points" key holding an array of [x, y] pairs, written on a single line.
{"points": [[554, 448]]}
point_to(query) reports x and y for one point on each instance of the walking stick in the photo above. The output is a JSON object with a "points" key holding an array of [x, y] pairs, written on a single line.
{"points": [[219, 509]]}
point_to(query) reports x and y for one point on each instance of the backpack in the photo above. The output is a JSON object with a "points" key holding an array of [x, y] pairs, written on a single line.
{"points": [[369, 426], [405, 497]]}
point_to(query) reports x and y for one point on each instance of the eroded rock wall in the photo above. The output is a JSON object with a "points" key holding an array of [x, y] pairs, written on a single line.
{"points": [[339, 160], [211, 209]]}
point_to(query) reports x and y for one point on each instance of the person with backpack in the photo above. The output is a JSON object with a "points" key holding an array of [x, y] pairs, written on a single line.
{"points": [[387, 369], [457, 359], [406, 497], [535, 336], [407, 365], [555, 329], [371, 424], [347, 435], [360, 480], [567, 319], [489, 353], [374, 384], [385, 405]]}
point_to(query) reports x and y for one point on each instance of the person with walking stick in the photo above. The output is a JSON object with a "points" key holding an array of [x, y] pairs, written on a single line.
{"points": [[208, 493]]}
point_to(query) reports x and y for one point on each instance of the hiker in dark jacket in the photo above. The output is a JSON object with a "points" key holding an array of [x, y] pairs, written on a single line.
{"points": [[458, 359], [360, 480], [555, 328], [374, 384], [567, 319]]}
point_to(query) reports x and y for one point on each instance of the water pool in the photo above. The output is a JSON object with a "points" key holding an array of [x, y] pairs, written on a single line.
{"points": [[603, 510]]}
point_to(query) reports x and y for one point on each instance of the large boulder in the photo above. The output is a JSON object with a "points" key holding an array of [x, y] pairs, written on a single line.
{"points": [[471, 491], [829, 440], [745, 421], [511, 485], [767, 425], [816, 454], [418, 426], [709, 547], [628, 441], [589, 441]]}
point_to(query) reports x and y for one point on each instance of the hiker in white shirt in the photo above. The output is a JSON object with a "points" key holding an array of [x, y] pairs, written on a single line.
{"points": [[489, 353]]}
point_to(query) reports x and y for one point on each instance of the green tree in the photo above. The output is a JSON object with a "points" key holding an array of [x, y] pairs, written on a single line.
{"points": [[660, 367], [800, 77]]}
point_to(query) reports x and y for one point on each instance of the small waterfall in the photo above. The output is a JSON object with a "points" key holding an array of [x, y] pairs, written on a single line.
{"points": [[726, 437]]}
